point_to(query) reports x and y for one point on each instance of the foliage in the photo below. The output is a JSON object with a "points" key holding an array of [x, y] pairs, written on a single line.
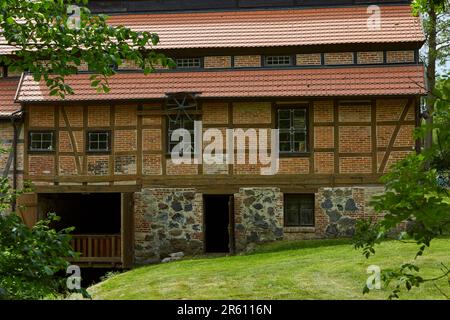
{"points": [[52, 41], [30, 259], [414, 197], [441, 8]]}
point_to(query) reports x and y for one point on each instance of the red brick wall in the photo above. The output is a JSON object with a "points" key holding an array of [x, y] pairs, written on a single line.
{"points": [[354, 139], [350, 153], [309, 59], [247, 61], [400, 56], [370, 57], [252, 113], [217, 62], [339, 58]]}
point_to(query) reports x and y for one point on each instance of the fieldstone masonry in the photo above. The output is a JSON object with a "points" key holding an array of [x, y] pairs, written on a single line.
{"points": [[342, 207], [167, 221], [258, 216]]}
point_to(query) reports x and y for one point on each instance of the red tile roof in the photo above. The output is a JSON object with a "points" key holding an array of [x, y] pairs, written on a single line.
{"points": [[269, 28], [320, 82], [8, 88]]}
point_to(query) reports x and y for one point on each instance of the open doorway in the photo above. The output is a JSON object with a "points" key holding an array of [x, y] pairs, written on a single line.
{"points": [[218, 217]]}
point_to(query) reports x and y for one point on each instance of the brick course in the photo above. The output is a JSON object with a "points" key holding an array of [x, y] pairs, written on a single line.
{"points": [[355, 113], [125, 140], [400, 56], [370, 57], [247, 61], [336, 58], [252, 113], [151, 164], [323, 111], [99, 116], [323, 137], [217, 62], [354, 139], [324, 162], [311, 59]]}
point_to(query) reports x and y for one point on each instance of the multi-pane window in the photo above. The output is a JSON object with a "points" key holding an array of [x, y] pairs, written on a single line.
{"points": [[188, 63], [277, 61], [41, 141], [292, 124], [181, 122], [299, 210], [98, 141]]}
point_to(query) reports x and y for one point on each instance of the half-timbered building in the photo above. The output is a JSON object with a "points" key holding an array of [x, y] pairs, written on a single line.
{"points": [[343, 89]]}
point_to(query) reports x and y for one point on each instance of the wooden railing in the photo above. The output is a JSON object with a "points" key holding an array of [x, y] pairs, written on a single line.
{"points": [[97, 248]]}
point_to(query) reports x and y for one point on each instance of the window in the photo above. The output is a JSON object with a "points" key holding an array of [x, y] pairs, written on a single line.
{"points": [[299, 210], [272, 61], [292, 124], [98, 141], [41, 141], [188, 63], [181, 122]]}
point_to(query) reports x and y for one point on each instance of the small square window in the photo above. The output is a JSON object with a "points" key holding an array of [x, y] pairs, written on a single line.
{"points": [[299, 210], [42, 141], [188, 63], [98, 141], [272, 61]]}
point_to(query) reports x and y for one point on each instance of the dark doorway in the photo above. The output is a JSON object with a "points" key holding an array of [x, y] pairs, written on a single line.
{"points": [[217, 222], [89, 213]]}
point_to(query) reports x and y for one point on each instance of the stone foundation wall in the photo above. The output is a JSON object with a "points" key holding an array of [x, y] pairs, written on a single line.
{"points": [[336, 212], [258, 216], [167, 221]]}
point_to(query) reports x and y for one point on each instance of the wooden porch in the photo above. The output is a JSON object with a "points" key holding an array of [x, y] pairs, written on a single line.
{"points": [[98, 249]]}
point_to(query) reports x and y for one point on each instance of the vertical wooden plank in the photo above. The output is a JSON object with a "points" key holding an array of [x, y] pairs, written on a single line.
{"points": [[336, 136], [139, 156], [112, 123], [27, 208], [85, 128], [164, 128], [89, 247], [374, 136], [417, 118], [231, 224], [56, 139], [311, 136], [108, 245], [26, 137], [200, 166], [230, 126], [113, 247]]}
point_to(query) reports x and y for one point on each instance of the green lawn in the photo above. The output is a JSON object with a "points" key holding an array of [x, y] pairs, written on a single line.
{"points": [[285, 270]]}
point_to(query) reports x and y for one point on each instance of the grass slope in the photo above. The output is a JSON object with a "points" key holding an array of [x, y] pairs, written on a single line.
{"points": [[285, 270]]}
